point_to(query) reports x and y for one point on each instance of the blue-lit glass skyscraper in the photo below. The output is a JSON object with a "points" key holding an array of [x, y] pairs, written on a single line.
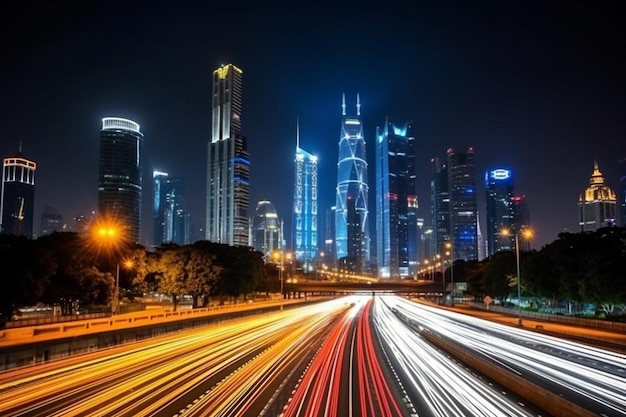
{"points": [[440, 209], [397, 236], [500, 210], [463, 204], [305, 208], [171, 222], [352, 184]]}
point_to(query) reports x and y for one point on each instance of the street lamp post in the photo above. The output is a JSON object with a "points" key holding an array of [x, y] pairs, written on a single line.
{"points": [[449, 252], [280, 275], [527, 233]]}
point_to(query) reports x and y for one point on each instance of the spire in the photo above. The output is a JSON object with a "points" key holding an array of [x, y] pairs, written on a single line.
{"points": [[358, 105], [343, 104], [20, 148], [298, 132]]}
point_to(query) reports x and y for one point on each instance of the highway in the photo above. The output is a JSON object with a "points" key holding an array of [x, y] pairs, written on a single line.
{"points": [[231, 369], [353, 356], [589, 377]]}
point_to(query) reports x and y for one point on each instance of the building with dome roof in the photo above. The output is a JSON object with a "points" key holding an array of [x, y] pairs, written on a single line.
{"points": [[596, 206]]}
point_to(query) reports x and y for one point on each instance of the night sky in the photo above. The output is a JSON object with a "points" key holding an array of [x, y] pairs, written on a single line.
{"points": [[538, 87]]}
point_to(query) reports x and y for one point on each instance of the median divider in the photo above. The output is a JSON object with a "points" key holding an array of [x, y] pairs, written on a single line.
{"points": [[550, 402]]}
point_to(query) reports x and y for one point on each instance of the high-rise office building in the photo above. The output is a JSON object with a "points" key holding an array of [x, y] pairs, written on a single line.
{"points": [[397, 237], [521, 219], [352, 184], [596, 206], [463, 204], [17, 205], [51, 221], [499, 194], [622, 192], [228, 166], [329, 239], [440, 208], [305, 207], [120, 175], [266, 230], [171, 221]]}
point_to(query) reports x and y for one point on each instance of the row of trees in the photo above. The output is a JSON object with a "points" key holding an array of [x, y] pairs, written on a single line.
{"points": [[68, 270], [579, 268]]}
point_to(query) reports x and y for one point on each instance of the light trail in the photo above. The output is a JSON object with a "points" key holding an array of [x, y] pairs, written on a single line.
{"points": [[590, 377]]}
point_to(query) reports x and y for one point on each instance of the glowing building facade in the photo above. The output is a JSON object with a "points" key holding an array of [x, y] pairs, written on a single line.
{"points": [[266, 230], [171, 222], [596, 206], [463, 204], [120, 175], [500, 214], [305, 220], [397, 237], [228, 166], [352, 185], [17, 200], [440, 208]]}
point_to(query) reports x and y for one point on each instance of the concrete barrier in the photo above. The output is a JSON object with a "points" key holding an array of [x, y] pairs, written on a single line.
{"points": [[550, 402]]}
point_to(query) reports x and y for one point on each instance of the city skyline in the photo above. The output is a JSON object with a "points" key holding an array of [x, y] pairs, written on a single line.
{"points": [[545, 97]]}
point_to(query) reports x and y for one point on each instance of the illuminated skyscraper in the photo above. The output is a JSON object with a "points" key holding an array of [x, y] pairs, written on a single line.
{"points": [[119, 175], [499, 193], [17, 201], [228, 166], [440, 209], [171, 222], [352, 184], [305, 207], [463, 204], [596, 206], [521, 219], [266, 231], [397, 237]]}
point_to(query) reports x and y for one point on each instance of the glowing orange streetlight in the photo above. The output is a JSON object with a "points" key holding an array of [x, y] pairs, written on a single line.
{"points": [[527, 233], [107, 234]]}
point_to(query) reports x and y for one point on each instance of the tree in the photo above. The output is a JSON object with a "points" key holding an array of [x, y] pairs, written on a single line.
{"points": [[26, 270], [168, 267]]}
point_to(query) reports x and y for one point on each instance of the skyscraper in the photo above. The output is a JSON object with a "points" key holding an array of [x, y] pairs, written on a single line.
{"points": [[51, 221], [17, 205], [521, 219], [499, 194], [352, 184], [440, 209], [596, 206], [228, 166], [305, 207], [171, 221], [119, 175], [266, 231], [463, 204], [396, 201]]}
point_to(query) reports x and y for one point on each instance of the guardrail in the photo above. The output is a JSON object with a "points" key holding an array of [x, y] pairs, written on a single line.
{"points": [[575, 321], [23, 335]]}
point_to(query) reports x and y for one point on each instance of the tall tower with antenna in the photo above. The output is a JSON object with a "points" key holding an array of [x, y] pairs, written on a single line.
{"points": [[352, 251]]}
